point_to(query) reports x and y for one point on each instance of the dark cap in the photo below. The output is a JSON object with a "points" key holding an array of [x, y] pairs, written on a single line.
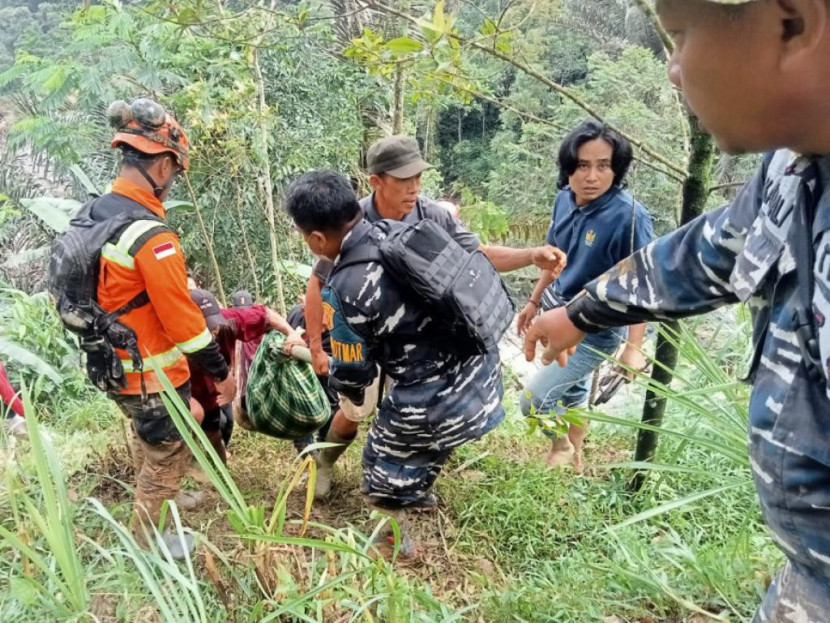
{"points": [[242, 299], [398, 156], [210, 308]]}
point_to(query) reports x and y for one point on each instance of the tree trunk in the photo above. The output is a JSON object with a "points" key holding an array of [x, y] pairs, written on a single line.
{"points": [[428, 134], [267, 184], [695, 193], [397, 113], [245, 242], [208, 242]]}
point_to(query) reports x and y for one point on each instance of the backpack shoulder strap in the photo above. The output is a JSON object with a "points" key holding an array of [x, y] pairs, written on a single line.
{"points": [[633, 221], [103, 322], [362, 254], [803, 315]]}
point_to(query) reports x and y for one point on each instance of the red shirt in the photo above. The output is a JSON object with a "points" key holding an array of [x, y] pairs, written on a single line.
{"points": [[247, 325], [8, 395]]}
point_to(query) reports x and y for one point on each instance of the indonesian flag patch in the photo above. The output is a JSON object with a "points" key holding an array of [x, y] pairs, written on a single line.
{"points": [[162, 251]]}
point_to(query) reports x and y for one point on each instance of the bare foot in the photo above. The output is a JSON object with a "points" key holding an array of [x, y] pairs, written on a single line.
{"points": [[561, 453], [579, 463]]}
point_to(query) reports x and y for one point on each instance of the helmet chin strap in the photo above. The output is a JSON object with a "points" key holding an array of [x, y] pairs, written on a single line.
{"points": [[158, 191]]}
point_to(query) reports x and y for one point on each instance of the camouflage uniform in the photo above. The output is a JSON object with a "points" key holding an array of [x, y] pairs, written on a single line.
{"points": [[746, 252], [438, 401]]}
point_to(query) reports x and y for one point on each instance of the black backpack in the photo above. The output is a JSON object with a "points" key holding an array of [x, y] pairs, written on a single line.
{"points": [[462, 289], [73, 283]]}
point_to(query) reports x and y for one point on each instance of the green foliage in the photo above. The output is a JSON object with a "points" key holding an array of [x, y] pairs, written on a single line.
{"points": [[55, 213], [34, 343], [43, 535], [692, 540], [484, 217], [176, 592]]}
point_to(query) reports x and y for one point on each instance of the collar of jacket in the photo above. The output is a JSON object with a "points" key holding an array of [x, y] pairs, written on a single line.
{"points": [[597, 204], [357, 235], [822, 218], [131, 190], [370, 209]]}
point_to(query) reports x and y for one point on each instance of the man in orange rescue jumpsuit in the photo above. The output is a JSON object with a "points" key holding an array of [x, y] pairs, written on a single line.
{"points": [[170, 328]]}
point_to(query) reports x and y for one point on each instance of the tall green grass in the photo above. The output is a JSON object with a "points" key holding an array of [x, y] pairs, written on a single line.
{"points": [[584, 547], [44, 559], [66, 560]]}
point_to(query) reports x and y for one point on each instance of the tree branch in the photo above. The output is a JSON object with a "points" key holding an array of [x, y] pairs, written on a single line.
{"points": [[534, 73], [548, 122], [650, 13], [726, 185], [208, 241]]}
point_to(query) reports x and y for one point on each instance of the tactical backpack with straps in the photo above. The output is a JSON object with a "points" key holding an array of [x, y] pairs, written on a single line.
{"points": [[73, 283], [463, 291]]}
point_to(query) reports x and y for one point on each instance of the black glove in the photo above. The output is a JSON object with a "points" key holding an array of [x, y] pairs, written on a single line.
{"points": [[103, 366]]}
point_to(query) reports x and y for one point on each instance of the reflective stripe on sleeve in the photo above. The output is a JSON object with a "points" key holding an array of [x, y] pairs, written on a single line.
{"points": [[120, 251], [163, 360], [196, 343], [132, 233], [113, 254]]}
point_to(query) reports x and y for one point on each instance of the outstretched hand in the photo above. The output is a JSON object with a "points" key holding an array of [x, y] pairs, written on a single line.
{"points": [[525, 318], [557, 334], [550, 258]]}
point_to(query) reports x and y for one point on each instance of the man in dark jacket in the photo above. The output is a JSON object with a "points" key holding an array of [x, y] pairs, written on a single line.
{"points": [[756, 73]]}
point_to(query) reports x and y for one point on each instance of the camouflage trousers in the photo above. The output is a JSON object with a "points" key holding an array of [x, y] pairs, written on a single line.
{"points": [[160, 457], [400, 478], [794, 491], [415, 432]]}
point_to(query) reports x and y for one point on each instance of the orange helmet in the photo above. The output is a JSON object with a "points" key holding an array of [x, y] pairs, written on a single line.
{"points": [[145, 126]]}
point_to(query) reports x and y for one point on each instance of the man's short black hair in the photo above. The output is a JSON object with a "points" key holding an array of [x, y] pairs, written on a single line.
{"points": [[590, 130], [321, 201], [131, 157]]}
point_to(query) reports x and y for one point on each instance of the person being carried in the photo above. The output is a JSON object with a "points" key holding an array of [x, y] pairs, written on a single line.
{"points": [[229, 326], [756, 73], [395, 168], [598, 224], [439, 400]]}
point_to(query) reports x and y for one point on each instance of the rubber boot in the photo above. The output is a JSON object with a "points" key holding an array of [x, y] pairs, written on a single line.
{"points": [[326, 459], [385, 540], [16, 427], [190, 500], [174, 544]]}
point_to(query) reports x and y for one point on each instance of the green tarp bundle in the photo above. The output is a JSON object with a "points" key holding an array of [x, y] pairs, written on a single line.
{"points": [[283, 398]]}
